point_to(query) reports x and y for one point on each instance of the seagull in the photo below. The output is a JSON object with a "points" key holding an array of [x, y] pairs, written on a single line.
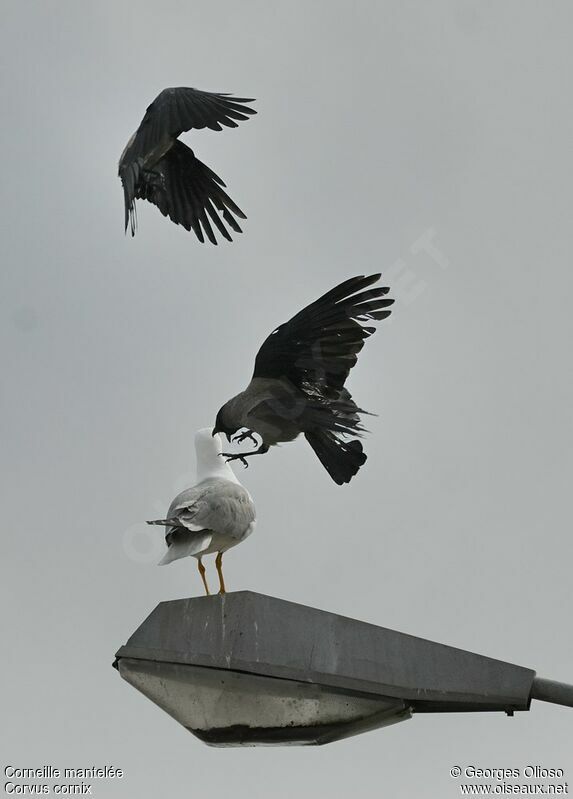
{"points": [[298, 383], [157, 167], [214, 515]]}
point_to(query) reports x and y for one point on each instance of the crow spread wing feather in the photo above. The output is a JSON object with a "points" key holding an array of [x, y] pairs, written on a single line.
{"points": [[143, 164], [319, 346], [180, 109], [190, 194]]}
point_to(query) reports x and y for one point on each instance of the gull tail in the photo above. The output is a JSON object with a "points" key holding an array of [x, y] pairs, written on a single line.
{"points": [[341, 459], [185, 544]]}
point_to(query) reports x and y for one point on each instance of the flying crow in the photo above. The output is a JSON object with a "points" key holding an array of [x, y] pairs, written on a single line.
{"points": [[214, 515], [298, 382], [157, 167]]}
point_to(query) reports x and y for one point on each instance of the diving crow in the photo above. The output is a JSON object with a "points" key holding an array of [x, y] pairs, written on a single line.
{"points": [[298, 382]]}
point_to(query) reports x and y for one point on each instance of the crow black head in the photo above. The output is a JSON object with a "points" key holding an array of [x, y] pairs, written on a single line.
{"points": [[221, 426]]}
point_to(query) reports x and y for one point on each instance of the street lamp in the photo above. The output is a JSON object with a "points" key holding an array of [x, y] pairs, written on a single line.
{"points": [[247, 669]]}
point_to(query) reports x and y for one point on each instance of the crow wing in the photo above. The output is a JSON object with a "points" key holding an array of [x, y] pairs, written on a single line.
{"points": [[318, 347], [189, 193]]}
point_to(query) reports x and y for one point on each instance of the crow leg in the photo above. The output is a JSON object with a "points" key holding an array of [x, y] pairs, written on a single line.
{"points": [[202, 573], [243, 457], [240, 437], [155, 177], [219, 567]]}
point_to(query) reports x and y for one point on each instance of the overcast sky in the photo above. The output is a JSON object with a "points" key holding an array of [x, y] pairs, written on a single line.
{"points": [[382, 127]]}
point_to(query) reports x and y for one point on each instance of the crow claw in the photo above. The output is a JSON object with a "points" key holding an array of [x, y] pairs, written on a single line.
{"points": [[240, 437], [235, 457]]}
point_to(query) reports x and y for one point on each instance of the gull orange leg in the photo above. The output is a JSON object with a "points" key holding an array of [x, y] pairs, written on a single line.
{"points": [[219, 567], [202, 573]]}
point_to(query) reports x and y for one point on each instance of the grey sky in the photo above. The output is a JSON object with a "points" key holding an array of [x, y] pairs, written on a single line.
{"points": [[379, 123]]}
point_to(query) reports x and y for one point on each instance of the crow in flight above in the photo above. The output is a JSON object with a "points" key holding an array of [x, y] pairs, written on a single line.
{"points": [[157, 167], [298, 383]]}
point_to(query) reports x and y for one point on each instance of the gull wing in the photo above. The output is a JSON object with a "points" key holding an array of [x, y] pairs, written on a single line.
{"points": [[215, 505]]}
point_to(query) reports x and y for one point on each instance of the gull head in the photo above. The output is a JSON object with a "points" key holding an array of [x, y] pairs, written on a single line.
{"points": [[208, 450], [207, 443]]}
